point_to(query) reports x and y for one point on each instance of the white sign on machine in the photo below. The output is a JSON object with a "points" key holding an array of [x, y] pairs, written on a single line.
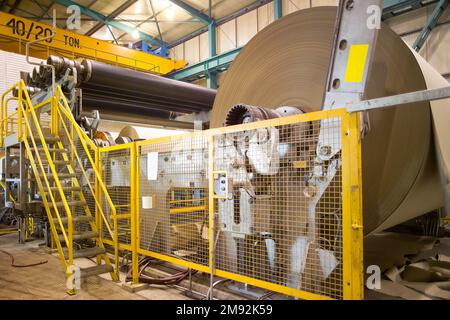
{"points": [[152, 175]]}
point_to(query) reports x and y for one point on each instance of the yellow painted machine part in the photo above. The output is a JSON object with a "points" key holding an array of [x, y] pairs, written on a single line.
{"points": [[16, 31]]}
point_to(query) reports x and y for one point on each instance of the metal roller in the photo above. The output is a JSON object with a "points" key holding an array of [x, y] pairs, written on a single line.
{"points": [[31, 91], [287, 64], [99, 77], [35, 76], [242, 113], [114, 89]]}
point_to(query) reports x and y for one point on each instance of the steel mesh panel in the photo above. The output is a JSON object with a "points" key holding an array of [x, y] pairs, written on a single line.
{"points": [[116, 173], [268, 223], [173, 200]]}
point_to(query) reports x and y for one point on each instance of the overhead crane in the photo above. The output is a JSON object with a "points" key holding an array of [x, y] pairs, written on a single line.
{"points": [[16, 31]]}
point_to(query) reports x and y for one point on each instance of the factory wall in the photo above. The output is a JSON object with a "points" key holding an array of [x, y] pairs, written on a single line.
{"points": [[238, 32], [10, 66]]}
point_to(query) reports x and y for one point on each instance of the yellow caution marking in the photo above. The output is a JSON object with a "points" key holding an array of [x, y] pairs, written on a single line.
{"points": [[356, 62]]}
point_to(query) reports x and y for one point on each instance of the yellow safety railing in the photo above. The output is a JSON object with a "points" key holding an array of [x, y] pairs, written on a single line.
{"points": [[39, 171], [27, 127]]}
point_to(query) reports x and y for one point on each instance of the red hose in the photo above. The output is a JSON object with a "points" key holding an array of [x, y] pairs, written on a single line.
{"points": [[22, 265]]}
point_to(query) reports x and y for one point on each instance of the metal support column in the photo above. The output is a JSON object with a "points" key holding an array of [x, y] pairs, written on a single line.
{"points": [[211, 76], [278, 9], [431, 23]]}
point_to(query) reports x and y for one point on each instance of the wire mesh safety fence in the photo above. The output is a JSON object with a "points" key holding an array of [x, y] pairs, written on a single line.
{"points": [[271, 225], [275, 204], [116, 173], [173, 205]]}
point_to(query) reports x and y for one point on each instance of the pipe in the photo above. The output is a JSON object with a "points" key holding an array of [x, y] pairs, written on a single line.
{"points": [[131, 118]]}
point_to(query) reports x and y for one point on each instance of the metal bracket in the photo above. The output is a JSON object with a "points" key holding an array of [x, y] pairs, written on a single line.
{"points": [[401, 99], [221, 184]]}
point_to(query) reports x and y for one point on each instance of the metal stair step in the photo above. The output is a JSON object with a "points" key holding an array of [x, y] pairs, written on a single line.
{"points": [[85, 253], [70, 203], [60, 176], [81, 236], [48, 139], [41, 149], [123, 216], [96, 270], [66, 189], [74, 219], [56, 162]]}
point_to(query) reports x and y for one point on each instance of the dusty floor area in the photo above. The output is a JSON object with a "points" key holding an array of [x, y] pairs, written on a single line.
{"points": [[47, 281]]}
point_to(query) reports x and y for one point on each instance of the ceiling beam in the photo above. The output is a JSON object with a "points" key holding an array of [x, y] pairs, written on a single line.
{"points": [[111, 16], [193, 11], [431, 23], [113, 23], [151, 18], [13, 8], [156, 19], [200, 70]]}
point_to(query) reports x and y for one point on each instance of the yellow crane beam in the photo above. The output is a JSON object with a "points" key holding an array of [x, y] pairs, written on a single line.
{"points": [[16, 31]]}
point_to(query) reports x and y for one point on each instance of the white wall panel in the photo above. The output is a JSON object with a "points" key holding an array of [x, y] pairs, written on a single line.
{"points": [[10, 66], [247, 27], [438, 49], [226, 36], [204, 46], [192, 51], [318, 3], [177, 53], [265, 16]]}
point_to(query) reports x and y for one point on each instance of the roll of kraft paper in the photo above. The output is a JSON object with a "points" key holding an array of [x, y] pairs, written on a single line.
{"points": [[286, 64]]}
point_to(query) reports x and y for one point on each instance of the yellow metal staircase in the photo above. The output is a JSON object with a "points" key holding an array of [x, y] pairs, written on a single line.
{"points": [[63, 165]]}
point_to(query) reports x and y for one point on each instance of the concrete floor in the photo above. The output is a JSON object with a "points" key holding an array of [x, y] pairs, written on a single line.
{"points": [[47, 281]]}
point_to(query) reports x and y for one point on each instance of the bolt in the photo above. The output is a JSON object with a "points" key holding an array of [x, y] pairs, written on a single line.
{"points": [[325, 150], [350, 4]]}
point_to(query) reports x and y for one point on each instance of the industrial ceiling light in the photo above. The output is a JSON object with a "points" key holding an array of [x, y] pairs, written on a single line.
{"points": [[135, 34], [138, 8], [170, 13]]}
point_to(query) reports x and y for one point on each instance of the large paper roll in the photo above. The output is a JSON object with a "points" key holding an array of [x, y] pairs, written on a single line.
{"points": [[286, 65]]}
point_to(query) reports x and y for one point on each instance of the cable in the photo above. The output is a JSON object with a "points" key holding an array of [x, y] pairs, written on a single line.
{"points": [[22, 265], [170, 280]]}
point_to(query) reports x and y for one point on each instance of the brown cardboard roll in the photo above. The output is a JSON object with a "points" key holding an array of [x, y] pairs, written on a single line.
{"points": [[130, 132], [286, 65]]}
